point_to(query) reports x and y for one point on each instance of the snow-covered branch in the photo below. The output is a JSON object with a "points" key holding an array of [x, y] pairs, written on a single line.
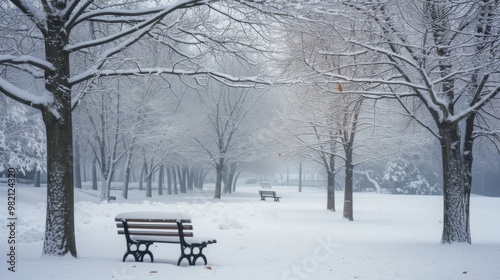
{"points": [[24, 97], [159, 14], [221, 77], [34, 14], [27, 59]]}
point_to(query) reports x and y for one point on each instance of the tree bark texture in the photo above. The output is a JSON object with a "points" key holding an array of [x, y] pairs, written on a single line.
{"points": [[60, 223], [456, 189]]}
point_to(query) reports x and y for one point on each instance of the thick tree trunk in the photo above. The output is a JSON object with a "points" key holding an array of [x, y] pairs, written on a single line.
{"points": [[59, 226], [60, 223], [456, 188]]}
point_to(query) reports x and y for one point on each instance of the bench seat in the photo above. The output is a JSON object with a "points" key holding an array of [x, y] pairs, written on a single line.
{"points": [[173, 239]]}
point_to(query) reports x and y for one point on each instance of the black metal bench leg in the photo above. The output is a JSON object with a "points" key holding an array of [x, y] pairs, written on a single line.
{"points": [[138, 253], [188, 253]]}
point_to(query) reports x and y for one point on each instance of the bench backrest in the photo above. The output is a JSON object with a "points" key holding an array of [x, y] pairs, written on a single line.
{"points": [[153, 227], [267, 193]]}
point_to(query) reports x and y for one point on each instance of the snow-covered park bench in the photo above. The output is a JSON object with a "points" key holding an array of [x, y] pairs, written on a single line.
{"points": [[266, 185], [270, 194], [142, 229]]}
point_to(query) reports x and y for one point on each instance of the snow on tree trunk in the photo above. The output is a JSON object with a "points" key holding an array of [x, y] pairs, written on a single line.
{"points": [[456, 188], [59, 228], [228, 183], [109, 180], [102, 195], [60, 224]]}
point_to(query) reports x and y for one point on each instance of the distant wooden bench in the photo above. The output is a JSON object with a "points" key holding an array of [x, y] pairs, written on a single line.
{"points": [[271, 194], [142, 229], [266, 185]]}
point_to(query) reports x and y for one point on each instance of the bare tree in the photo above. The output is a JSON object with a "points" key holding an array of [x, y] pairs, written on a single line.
{"points": [[441, 56], [228, 111]]}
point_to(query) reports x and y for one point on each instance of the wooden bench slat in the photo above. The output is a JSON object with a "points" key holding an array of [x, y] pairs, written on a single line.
{"points": [[157, 233], [155, 226], [153, 220]]}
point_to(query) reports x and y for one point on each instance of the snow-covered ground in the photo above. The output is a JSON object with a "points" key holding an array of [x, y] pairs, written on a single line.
{"points": [[392, 237]]}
